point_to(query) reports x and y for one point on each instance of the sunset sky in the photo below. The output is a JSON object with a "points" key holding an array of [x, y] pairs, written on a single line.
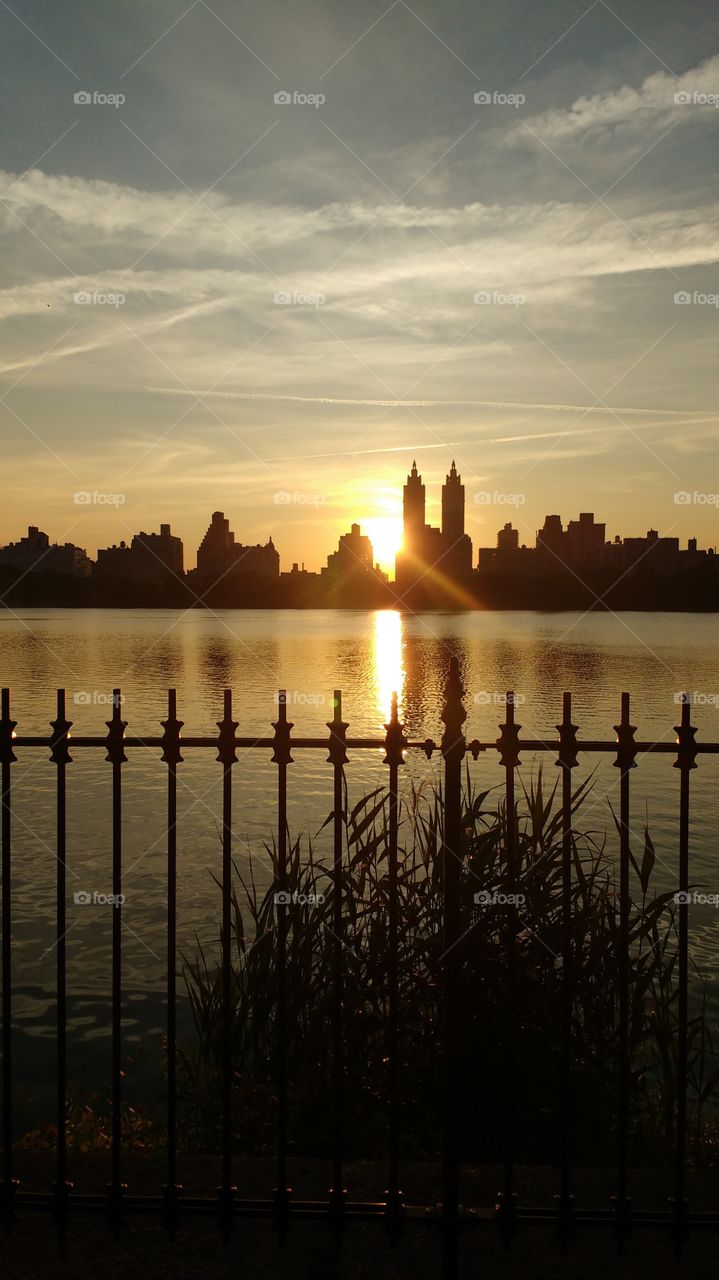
{"points": [[577, 215]]}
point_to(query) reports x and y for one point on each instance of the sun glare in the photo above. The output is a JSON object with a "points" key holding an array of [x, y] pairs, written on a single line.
{"points": [[385, 534]]}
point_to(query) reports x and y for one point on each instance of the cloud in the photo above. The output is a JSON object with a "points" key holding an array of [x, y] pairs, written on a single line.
{"points": [[650, 108]]}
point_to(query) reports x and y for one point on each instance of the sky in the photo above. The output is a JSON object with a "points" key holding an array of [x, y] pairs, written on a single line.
{"points": [[258, 258]]}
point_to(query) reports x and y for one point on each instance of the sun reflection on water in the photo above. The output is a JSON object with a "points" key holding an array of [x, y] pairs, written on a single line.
{"points": [[389, 673]]}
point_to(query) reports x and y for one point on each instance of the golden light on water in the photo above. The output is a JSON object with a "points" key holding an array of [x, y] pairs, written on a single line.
{"points": [[388, 660]]}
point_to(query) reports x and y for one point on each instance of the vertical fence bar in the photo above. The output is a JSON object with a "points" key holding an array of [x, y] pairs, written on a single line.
{"points": [[171, 755], [395, 742], [453, 750], [282, 756], [685, 762], [227, 755], [60, 755], [116, 755], [7, 757], [625, 761], [508, 746], [338, 758], [567, 761]]}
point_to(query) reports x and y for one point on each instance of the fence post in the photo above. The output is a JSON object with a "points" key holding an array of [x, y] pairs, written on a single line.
{"points": [[338, 759], [7, 757], [566, 761], [394, 745], [685, 762], [453, 750], [171, 756], [508, 747], [116, 727], [227, 755], [625, 761], [60, 756], [282, 756]]}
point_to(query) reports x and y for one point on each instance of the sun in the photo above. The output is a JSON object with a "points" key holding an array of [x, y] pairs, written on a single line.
{"points": [[385, 533]]}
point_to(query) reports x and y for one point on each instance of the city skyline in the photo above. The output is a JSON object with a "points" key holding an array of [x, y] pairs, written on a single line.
{"points": [[687, 514], [422, 548], [508, 255]]}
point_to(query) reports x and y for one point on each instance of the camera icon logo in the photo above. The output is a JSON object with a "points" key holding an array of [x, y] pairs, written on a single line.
{"points": [[683, 98], [482, 98], [82, 898], [682, 298], [682, 898], [282, 97], [682, 498], [82, 97]]}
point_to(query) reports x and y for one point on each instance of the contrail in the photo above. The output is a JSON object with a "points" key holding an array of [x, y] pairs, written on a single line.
{"points": [[424, 404]]}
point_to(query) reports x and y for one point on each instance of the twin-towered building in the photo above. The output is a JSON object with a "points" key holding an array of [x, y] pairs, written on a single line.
{"points": [[431, 557]]}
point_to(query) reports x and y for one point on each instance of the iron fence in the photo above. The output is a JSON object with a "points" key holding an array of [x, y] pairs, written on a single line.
{"points": [[283, 1206]]}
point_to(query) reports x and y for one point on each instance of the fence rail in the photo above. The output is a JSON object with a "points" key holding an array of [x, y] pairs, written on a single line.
{"points": [[283, 1206]]}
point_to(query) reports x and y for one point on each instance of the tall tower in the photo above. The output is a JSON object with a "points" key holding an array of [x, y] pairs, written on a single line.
{"points": [[413, 507], [452, 507]]}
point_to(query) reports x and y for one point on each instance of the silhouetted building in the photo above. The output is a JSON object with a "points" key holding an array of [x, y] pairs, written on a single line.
{"points": [[35, 554], [651, 554], [551, 537], [350, 576], [434, 560], [151, 558], [585, 540], [218, 555], [300, 588], [354, 555], [508, 539]]}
